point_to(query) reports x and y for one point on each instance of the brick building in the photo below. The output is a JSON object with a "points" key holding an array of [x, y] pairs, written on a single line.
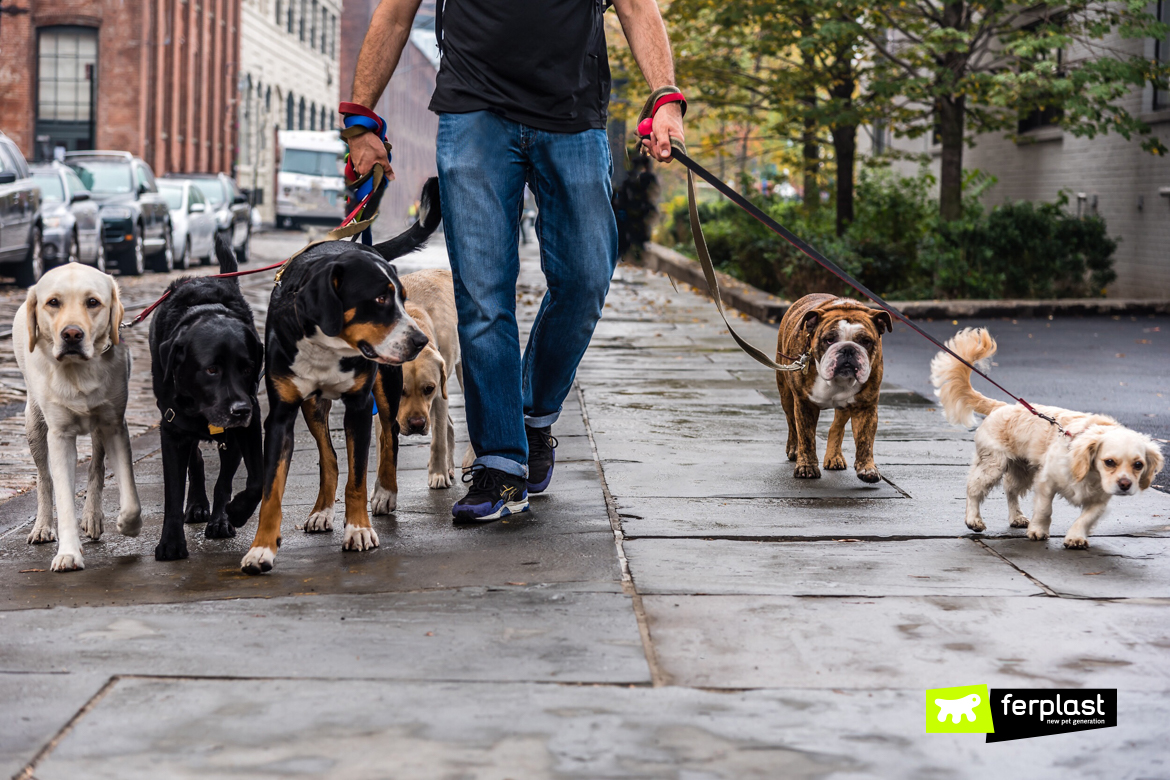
{"points": [[1106, 175], [412, 126], [289, 78], [152, 77]]}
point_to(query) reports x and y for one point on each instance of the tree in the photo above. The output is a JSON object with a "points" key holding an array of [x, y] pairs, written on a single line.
{"points": [[958, 68]]}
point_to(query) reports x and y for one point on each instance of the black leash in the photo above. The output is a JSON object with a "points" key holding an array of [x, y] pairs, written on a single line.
{"points": [[673, 94]]}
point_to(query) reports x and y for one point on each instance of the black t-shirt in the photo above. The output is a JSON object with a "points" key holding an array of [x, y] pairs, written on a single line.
{"points": [[541, 63]]}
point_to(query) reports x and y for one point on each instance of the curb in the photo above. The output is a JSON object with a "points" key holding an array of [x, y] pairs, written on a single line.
{"points": [[768, 308]]}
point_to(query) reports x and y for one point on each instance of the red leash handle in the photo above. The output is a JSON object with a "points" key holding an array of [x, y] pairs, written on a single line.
{"points": [[660, 98]]}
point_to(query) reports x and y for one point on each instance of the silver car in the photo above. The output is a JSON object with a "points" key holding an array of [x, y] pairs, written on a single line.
{"points": [[70, 218], [192, 221]]}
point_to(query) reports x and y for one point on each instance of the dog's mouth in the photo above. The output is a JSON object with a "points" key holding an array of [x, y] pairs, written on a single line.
{"points": [[72, 352], [369, 353]]}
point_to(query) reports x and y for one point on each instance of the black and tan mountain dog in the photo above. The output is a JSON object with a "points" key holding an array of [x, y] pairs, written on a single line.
{"points": [[337, 329], [206, 358]]}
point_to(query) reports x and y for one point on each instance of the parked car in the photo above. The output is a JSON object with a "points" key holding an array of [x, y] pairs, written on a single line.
{"points": [[232, 212], [71, 225], [20, 213], [136, 223], [192, 221]]}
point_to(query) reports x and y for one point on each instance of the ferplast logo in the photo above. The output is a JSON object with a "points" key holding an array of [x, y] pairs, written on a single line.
{"points": [[962, 710], [1018, 713]]}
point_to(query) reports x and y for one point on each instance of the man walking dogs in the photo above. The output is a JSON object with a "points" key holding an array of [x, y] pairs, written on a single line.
{"points": [[521, 93]]}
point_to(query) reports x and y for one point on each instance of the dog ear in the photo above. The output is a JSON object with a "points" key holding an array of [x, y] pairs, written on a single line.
{"points": [[322, 303], [882, 321], [1083, 451], [117, 312], [810, 320], [442, 373], [255, 352], [30, 311], [1154, 464], [171, 354]]}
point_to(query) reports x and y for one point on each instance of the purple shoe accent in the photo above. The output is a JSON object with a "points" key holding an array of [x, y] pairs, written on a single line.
{"points": [[475, 511], [540, 487]]}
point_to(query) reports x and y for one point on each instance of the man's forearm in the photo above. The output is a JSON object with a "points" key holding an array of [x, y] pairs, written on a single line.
{"points": [[381, 49], [646, 33]]}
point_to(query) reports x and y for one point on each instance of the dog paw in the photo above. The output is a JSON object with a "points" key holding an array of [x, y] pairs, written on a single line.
{"points": [[1020, 520], [383, 502], [976, 524], [791, 454], [1075, 542], [807, 472], [835, 463], [319, 522], [130, 523], [219, 528], [63, 561], [171, 549], [258, 560], [240, 508], [42, 534], [1036, 535], [440, 479], [197, 514], [91, 522], [869, 475], [359, 538]]}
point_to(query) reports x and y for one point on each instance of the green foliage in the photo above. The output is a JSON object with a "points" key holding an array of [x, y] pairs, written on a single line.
{"points": [[899, 247]]}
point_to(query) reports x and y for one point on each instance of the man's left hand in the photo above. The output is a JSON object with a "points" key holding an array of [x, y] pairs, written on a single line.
{"points": [[668, 123]]}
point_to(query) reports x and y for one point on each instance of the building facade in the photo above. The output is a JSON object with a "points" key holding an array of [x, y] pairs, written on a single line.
{"points": [[1107, 175], [289, 80], [152, 77]]}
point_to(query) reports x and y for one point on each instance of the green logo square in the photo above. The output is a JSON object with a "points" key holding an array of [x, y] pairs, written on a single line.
{"points": [[962, 710]]}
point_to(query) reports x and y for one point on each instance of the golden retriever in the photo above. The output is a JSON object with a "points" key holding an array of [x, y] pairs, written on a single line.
{"points": [[1094, 459], [77, 372]]}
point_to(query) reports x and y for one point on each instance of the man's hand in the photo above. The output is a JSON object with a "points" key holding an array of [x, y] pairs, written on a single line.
{"points": [[367, 150], [668, 123]]}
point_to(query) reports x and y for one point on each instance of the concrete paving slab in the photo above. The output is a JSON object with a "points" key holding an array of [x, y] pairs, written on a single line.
{"points": [[897, 642], [412, 731], [35, 707], [795, 518], [511, 633], [913, 567], [1113, 567]]}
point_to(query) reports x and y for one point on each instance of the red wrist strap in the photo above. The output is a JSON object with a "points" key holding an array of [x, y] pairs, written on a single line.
{"points": [[646, 126], [357, 109]]}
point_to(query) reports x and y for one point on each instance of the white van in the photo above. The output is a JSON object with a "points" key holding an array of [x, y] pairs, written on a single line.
{"points": [[310, 186]]}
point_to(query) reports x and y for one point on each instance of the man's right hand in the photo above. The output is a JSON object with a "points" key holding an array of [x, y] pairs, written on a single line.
{"points": [[365, 151]]}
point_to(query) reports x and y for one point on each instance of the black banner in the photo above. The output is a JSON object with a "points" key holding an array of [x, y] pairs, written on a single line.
{"points": [[1020, 713]]}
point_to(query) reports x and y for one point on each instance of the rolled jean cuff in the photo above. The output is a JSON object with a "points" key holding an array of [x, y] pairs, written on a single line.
{"points": [[506, 465], [543, 421]]}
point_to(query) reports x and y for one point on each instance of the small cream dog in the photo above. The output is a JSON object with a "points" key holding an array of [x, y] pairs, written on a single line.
{"points": [[77, 372], [1095, 459]]}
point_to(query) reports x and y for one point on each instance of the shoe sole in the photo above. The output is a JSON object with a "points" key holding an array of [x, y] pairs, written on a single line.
{"points": [[507, 509], [540, 487]]}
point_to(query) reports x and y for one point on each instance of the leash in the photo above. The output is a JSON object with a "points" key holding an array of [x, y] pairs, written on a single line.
{"points": [[367, 193], [666, 95]]}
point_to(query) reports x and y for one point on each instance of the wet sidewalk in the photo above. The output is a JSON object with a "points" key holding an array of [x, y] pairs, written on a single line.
{"points": [[677, 606]]}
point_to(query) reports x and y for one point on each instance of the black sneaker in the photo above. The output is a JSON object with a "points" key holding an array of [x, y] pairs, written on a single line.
{"points": [[541, 456], [493, 494]]}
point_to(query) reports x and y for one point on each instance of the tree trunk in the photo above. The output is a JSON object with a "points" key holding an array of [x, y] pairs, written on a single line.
{"points": [[811, 151], [844, 149], [950, 114]]}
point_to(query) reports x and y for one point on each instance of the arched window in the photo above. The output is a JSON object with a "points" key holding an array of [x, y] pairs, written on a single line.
{"points": [[312, 116], [268, 98], [279, 15], [290, 108], [301, 111]]}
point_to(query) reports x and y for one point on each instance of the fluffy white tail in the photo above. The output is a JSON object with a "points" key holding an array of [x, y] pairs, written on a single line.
{"points": [[952, 379]]}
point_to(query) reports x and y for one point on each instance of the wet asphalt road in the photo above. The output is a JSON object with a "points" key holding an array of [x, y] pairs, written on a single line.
{"points": [[1118, 366]]}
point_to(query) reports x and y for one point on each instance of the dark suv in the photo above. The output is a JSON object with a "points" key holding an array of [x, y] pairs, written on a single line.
{"points": [[20, 211], [233, 214], [136, 223]]}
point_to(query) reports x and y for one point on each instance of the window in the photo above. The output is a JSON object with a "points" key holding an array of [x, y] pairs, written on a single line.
{"points": [[312, 163], [1042, 115], [66, 68], [312, 116], [75, 185], [332, 36], [304, 5], [313, 26], [173, 195], [50, 184], [1162, 55], [104, 177], [290, 109], [324, 30], [145, 177], [279, 15], [291, 4], [301, 117]]}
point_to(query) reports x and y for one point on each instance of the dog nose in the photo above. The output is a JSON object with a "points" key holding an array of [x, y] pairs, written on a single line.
{"points": [[417, 423], [1125, 483], [418, 341], [72, 335], [240, 408]]}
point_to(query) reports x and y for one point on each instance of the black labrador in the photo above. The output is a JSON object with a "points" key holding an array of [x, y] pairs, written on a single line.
{"points": [[206, 358]]}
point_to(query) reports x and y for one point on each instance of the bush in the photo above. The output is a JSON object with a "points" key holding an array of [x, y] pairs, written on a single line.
{"points": [[898, 247]]}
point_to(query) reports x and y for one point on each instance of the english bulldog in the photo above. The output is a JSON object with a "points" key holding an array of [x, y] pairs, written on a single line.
{"points": [[843, 339]]}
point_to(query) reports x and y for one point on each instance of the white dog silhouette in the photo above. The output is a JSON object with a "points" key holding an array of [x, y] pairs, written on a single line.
{"points": [[957, 708]]}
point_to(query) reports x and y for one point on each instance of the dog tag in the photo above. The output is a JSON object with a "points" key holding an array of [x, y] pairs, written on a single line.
{"points": [[214, 429]]}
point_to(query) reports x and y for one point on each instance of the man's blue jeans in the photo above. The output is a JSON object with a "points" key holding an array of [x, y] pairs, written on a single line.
{"points": [[484, 162]]}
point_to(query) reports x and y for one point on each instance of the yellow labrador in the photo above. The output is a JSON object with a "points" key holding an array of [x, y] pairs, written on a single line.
{"points": [[423, 409], [77, 372]]}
